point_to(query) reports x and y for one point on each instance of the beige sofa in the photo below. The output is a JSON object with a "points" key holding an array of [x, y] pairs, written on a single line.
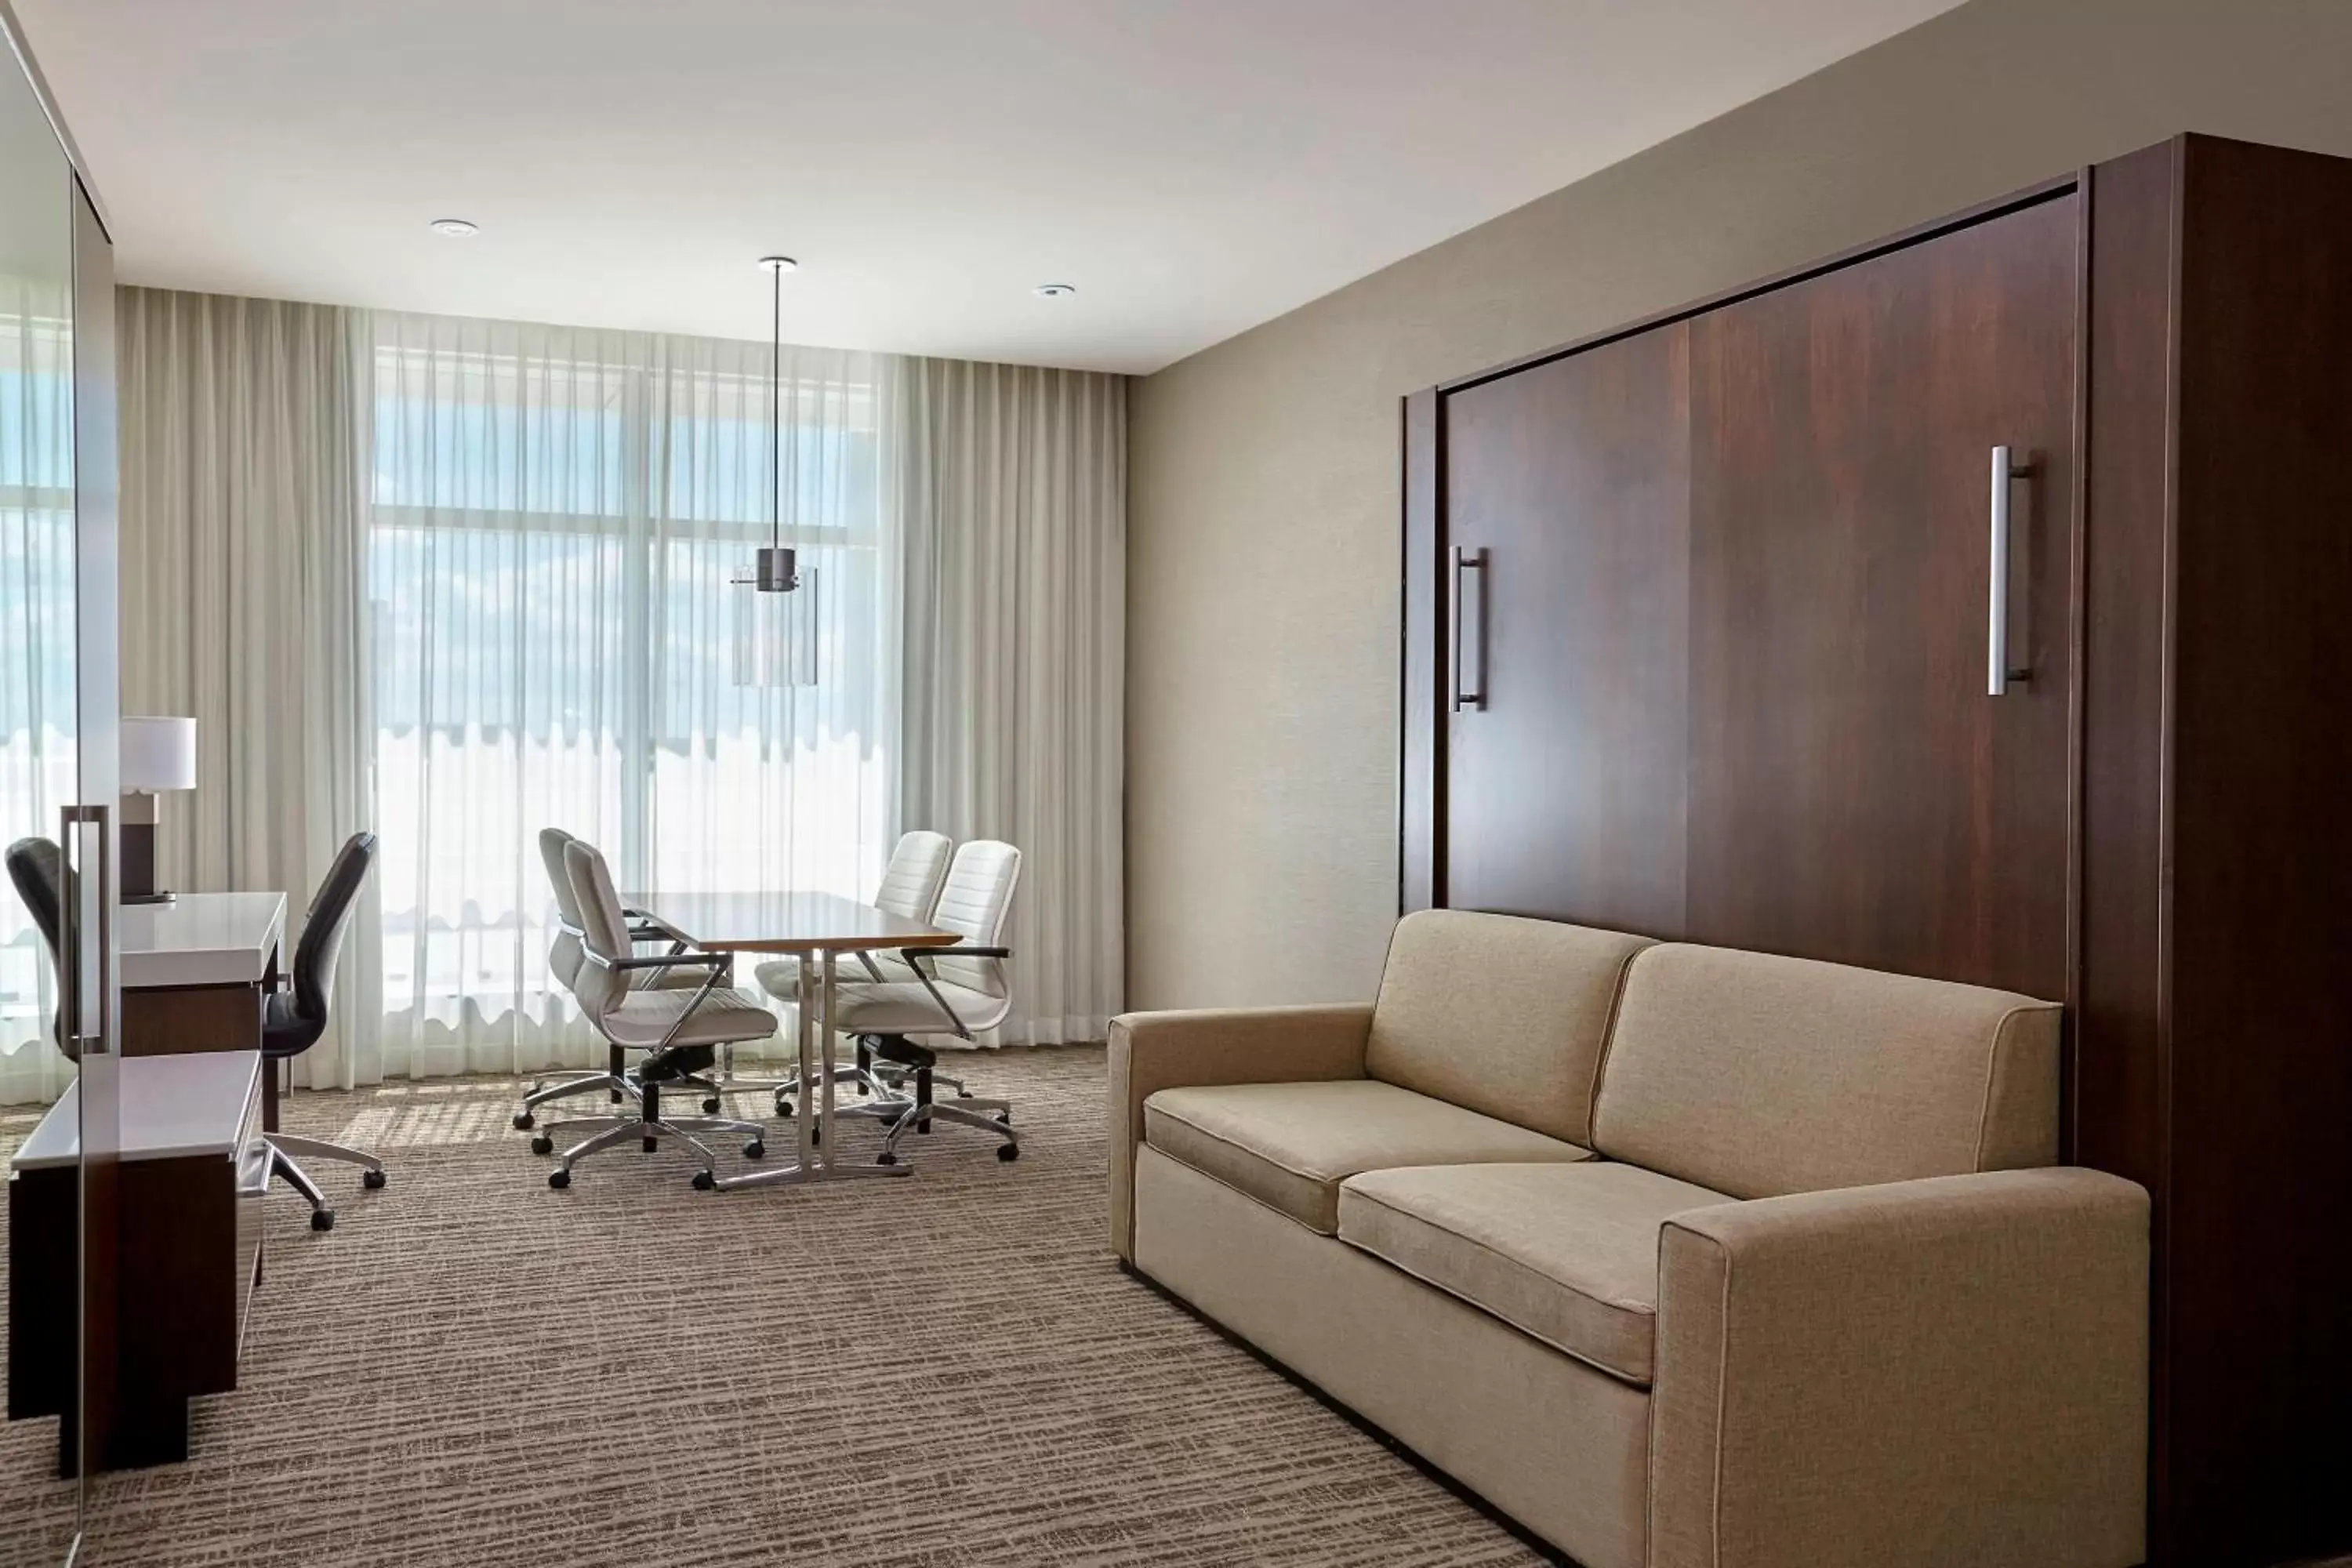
{"points": [[1676, 1256]]}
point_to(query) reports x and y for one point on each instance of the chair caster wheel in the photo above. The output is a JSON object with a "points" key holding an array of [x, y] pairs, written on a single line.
{"points": [[613, 1095], [650, 1143], [964, 1094], [784, 1109], [322, 1219], [704, 1181], [522, 1120], [543, 1144], [816, 1134], [864, 1090], [371, 1180], [754, 1148], [710, 1106], [559, 1180], [885, 1158], [1008, 1152], [1004, 1119]]}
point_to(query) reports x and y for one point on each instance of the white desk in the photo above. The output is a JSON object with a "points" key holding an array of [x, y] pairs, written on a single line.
{"points": [[200, 938], [196, 974], [168, 1107]]}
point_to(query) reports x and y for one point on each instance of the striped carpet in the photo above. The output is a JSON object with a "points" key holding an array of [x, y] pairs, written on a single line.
{"points": [[948, 1369]]}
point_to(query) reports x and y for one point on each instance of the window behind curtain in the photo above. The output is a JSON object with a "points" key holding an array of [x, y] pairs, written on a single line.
{"points": [[556, 517], [37, 640]]}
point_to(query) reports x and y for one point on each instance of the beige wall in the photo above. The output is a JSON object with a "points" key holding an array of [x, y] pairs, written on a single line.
{"points": [[1262, 571]]}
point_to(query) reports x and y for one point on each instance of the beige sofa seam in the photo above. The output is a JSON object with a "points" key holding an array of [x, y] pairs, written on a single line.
{"points": [[1220, 1137], [1481, 1307], [1722, 1384], [1252, 1197], [1992, 1075], [1609, 1041]]}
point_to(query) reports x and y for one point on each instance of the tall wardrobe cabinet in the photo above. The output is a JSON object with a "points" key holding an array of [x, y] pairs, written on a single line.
{"points": [[1976, 604]]}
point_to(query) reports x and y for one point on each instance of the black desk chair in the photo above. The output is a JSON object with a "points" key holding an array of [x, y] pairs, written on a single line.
{"points": [[292, 1021], [37, 867]]}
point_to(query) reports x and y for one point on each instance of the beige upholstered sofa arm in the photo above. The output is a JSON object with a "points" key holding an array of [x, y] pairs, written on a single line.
{"points": [[1951, 1369], [1152, 1051]]}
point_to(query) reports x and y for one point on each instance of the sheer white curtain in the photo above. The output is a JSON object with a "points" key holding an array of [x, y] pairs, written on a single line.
{"points": [[1012, 485], [556, 518], [36, 641]]}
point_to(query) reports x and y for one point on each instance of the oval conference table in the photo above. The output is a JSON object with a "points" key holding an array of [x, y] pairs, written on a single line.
{"points": [[817, 928]]}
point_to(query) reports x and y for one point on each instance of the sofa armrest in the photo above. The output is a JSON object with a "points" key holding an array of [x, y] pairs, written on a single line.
{"points": [[1948, 1370], [1152, 1051]]}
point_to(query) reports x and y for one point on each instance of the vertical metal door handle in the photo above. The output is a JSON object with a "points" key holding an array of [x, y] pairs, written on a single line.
{"points": [[1464, 642], [1999, 671], [69, 931]]}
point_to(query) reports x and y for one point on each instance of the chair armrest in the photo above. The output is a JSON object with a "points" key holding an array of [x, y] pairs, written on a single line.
{"points": [[960, 950], [1152, 1051], [1845, 1378]]}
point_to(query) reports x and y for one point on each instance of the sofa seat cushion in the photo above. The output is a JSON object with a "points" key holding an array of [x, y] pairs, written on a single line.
{"points": [[1289, 1145], [1567, 1253]]}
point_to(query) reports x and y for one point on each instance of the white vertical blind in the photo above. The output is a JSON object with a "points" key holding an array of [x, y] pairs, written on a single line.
{"points": [[557, 519]]}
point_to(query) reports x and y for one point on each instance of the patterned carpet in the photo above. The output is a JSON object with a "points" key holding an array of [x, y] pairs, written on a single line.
{"points": [[948, 1369]]}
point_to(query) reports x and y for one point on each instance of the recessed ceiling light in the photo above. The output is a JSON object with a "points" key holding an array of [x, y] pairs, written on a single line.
{"points": [[1055, 290], [777, 264], [454, 227]]}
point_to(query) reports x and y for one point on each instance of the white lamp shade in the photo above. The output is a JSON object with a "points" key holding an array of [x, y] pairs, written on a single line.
{"points": [[158, 754]]}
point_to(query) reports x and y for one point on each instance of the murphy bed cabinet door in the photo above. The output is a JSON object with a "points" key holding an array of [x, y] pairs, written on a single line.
{"points": [[1562, 584], [1857, 793]]}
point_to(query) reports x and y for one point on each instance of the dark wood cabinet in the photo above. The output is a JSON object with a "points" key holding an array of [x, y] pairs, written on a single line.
{"points": [[1570, 501], [1723, 628]]}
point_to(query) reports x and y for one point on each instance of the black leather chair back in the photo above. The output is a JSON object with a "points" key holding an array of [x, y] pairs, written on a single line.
{"points": [[37, 867], [323, 927]]}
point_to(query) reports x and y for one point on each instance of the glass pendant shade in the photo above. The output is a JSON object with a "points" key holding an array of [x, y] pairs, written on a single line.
{"points": [[776, 632]]}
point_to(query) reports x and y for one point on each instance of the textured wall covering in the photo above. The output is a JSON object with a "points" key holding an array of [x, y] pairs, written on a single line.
{"points": [[1263, 590]]}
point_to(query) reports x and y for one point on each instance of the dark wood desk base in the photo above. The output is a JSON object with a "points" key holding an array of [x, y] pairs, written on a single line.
{"points": [[189, 1255]]}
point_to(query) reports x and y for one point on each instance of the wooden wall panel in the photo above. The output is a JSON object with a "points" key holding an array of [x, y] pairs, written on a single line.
{"points": [[2261, 939], [1564, 790], [1856, 794]]}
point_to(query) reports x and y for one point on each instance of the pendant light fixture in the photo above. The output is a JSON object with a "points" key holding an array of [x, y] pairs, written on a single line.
{"points": [[775, 621]]}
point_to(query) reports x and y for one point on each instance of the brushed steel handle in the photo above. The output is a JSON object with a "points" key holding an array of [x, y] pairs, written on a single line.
{"points": [[1998, 671], [1465, 643], [72, 819]]}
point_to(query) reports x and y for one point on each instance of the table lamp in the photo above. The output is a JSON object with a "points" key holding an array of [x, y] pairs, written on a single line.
{"points": [[156, 755]]}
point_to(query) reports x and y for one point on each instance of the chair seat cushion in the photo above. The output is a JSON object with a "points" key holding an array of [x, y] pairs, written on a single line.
{"points": [[1289, 1145], [901, 1007], [642, 1018], [1566, 1253]]}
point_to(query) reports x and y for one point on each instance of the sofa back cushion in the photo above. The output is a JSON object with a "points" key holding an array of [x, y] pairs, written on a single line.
{"points": [[1501, 1016], [1759, 1076]]}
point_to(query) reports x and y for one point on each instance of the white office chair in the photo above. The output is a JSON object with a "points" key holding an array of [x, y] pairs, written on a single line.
{"points": [[680, 1030], [957, 990], [911, 886], [566, 957]]}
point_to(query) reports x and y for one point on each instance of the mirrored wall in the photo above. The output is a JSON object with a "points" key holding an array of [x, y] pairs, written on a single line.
{"points": [[59, 1013]]}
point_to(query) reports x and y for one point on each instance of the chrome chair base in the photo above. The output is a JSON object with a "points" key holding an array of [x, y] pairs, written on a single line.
{"points": [[611, 1131], [284, 1147]]}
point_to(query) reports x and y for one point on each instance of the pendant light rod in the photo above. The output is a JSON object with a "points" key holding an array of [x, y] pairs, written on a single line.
{"points": [[774, 571]]}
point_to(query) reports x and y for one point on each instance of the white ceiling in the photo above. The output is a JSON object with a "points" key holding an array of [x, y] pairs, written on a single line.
{"points": [[1194, 166]]}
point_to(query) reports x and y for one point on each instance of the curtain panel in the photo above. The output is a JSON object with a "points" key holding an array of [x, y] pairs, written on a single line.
{"points": [[243, 535], [1012, 485]]}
